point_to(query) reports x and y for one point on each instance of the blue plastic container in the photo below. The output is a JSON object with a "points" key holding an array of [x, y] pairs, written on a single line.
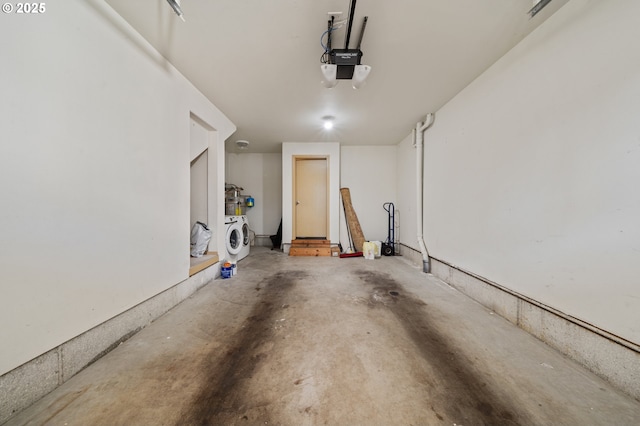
{"points": [[226, 272]]}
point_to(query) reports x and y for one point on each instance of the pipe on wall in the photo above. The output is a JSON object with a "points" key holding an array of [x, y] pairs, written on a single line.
{"points": [[418, 134]]}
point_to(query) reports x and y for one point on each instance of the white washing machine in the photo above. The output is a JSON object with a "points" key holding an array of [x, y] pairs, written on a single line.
{"points": [[237, 237]]}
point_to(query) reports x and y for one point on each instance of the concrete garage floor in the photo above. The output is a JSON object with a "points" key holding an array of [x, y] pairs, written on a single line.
{"points": [[309, 341]]}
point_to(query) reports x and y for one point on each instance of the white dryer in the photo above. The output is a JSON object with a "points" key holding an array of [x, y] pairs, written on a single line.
{"points": [[237, 237]]}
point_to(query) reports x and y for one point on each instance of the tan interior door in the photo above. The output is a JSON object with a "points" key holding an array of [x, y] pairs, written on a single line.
{"points": [[310, 198]]}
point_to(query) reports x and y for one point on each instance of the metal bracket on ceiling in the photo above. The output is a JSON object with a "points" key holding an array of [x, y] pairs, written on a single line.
{"points": [[538, 7], [176, 8]]}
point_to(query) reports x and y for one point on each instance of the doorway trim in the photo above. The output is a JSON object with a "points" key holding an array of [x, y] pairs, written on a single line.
{"points": [[290, 149], [294, 160]]}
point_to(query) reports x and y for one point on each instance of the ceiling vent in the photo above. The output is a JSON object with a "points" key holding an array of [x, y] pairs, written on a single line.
{"points": [[242, 144]]}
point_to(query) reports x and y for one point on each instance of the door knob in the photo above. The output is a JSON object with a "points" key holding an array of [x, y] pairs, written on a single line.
{"points": [[297, 202]]}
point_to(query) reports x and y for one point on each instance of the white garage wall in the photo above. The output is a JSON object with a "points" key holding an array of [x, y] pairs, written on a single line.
{"points": [[261, 177], [370, 174], [532, 173], [406, 193], [94, 174], [199, 190]]}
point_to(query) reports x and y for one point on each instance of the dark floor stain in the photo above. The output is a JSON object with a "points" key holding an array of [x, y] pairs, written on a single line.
{"points": [[462, 390], [222, 391], [113, 345], [65, 401], [436, 413]]}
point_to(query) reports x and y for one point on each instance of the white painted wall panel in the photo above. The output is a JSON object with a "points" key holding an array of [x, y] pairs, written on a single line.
{"points": [[94, 174], [532, 172], [199, 189], [406, 192], [198, 138], [370, 174]]}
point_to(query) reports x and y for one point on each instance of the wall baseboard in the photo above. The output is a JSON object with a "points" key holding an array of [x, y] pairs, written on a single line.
{"points": [[614, 359], [412, 255], [24, 385], [263, 241]]}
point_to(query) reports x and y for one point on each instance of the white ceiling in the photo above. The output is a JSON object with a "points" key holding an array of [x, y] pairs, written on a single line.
{"points": [[259, 60]]}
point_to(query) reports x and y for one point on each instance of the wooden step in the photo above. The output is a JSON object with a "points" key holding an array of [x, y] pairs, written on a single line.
{"points": [[310, 251], [200, 263], [302, 242], [310, 248]]}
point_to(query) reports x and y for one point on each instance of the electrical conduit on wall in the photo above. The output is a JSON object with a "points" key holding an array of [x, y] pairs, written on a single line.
{"points": [[419, 144]]}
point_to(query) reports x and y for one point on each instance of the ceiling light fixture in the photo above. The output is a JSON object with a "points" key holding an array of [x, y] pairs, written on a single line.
{"points": [[327, 122], [175, 5], [242, 144], [360, 74], [343, 64], [329, 72]]}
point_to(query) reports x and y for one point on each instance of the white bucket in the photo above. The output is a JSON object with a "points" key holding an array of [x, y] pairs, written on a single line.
{"points": [[377, 251], [368, 250]]}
